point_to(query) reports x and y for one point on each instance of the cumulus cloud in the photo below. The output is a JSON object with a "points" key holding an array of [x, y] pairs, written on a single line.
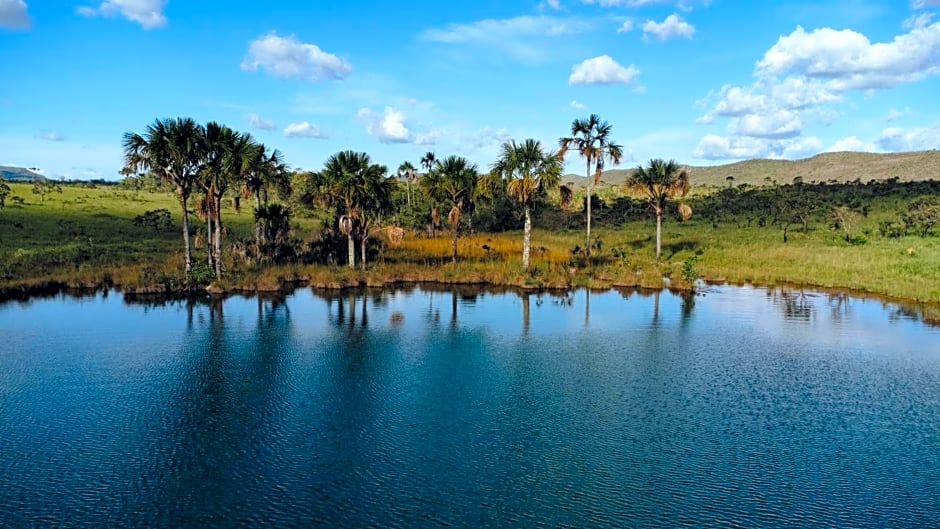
{"points": [[390, 126], [601, 70], [627, 26], [714, 147], [13, 15], [147, 13], [289, 58], [672, 26], [258, 122], [522, 37], [895, 139], [304, 130], [576, 105], [924, 4], [802, 75], [849, 61], [852, 144]]}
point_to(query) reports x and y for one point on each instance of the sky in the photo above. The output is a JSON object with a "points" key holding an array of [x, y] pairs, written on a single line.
{"points": [[699, 81]]}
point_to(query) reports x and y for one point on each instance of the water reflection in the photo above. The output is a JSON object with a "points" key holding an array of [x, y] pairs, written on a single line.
{"points": [[363, 408]]}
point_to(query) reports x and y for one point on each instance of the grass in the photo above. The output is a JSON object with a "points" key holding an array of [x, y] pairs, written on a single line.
{"points": [[85, 237]]}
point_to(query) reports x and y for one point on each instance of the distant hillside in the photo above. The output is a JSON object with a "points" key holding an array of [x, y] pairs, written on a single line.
{"points": [[838, 166], [19, 174]]}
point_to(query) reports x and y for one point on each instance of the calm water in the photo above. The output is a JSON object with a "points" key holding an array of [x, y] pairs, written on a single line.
{"points": [[739, 408]]}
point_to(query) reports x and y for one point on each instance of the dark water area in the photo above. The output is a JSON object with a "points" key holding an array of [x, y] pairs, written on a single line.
{"points": [[741, 407]]}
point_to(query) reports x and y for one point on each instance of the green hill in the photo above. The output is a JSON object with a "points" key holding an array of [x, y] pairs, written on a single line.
{"points": [[834, 166]]}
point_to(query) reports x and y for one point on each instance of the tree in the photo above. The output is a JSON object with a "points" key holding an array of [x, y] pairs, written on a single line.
{"points": [[346, 179], [408, 172], [528, 171], [452, 182], [172, 149], [44, 187], [427, 161], [157, 219], [659, 182], [922, 214], [265, 169], [4, 193], [376, 202], [590, 137]]}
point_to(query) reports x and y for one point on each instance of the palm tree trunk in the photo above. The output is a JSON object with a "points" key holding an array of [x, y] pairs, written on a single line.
{"points": [[527, 236], [362, 244], [351, 245], [453, 243], [218, 236], [209, 235], [187, 249], [257, 222], [659, 232], [587, 244]]}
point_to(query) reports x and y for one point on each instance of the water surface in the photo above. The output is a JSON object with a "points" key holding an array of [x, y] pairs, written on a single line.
{"points": [[738, 408]]}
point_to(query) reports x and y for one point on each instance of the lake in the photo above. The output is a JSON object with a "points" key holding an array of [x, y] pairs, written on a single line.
{"points": [[739, 407]]}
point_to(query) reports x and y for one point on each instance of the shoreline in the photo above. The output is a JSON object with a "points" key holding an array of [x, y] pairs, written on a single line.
{"points": [[928, 311]]}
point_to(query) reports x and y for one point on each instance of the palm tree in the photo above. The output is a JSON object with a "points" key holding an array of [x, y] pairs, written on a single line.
{"points": [[528, 172], [346, 179], [453, 182], [427, 161], [171, 148], [409, 173], [590, 137], [265, 169], [660, 181], [376, 202]]}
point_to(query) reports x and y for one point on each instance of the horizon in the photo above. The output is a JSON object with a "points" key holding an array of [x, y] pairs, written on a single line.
{"points": [[711, 82]]}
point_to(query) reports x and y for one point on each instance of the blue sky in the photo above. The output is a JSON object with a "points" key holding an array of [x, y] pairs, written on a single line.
{"points": [[700, 81]]}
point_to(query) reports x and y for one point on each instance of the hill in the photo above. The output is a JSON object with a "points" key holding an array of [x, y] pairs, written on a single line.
{"points": [[19, 174], [834, 166]]}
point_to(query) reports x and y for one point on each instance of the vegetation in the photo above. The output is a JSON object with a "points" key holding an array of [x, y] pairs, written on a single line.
{"points": [[591, 138], [315, 227], [660, 181]]}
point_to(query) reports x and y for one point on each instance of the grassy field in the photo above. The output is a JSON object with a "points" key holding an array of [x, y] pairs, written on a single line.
{"points": [[85, 236]]}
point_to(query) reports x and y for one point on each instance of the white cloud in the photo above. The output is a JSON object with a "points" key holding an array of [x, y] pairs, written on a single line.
{"points": [[521, 37], [895, 139], [391, 126], [147, 13], [601, 70], [779, 124], [289, 58], [304, 130], [714, 147], [923, 4], [550, 4], [258, 122], [627, 26], [13, 15], [672, 26], [918, 20], [895, 114], [852, 144], [850, 61], [576, 105]]}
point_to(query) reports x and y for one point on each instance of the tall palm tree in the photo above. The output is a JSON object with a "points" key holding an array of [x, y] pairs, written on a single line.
{"points": [[345, 180], [408, 173], [659, 182], [427, 161], [265, 169], [453, 182], [591, 138], [171, 149], [528, 172], [376, 202]]}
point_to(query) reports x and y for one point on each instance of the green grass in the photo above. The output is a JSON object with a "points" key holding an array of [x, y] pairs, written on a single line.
{"points": [[85, 236]]}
